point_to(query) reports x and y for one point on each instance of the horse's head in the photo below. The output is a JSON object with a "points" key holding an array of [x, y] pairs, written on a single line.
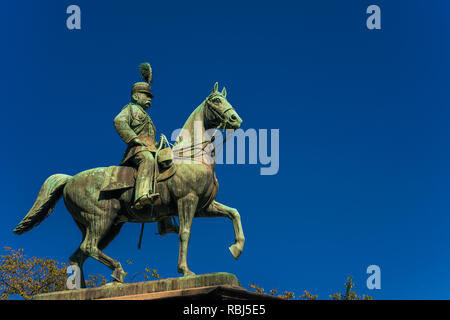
{"points": [[219, 112]]}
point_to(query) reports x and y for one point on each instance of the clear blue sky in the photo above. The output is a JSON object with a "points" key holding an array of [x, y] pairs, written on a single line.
{"points": [[363, 117]]}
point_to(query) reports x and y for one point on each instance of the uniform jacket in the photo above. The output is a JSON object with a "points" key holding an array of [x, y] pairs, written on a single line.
{"points": [[133, 122]]}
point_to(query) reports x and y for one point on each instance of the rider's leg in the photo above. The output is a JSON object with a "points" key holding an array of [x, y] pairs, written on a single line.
{"points": [[145, 163]]}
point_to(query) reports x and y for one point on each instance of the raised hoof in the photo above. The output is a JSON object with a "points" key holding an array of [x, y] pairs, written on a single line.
{"points": [[118, 275], [235, 251]]}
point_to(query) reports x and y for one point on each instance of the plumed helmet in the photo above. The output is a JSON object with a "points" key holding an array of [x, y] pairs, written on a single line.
{"points": [[146, 73]]}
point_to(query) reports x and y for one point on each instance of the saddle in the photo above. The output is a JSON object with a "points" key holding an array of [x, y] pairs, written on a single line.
{"points": [[123, 177]]}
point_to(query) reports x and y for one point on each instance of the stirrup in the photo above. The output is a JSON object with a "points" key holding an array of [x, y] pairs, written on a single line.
{"points": [[147, 200]]}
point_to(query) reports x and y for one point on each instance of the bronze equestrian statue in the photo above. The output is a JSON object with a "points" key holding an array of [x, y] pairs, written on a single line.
{"points": [[137, 130], [101, 200]]}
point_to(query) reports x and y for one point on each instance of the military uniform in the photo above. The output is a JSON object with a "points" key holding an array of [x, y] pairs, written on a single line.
{"points": [[134, 122]]}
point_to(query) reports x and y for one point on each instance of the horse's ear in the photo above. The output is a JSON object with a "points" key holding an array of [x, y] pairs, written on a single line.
{"points": [[216, 87], [224, 92]]}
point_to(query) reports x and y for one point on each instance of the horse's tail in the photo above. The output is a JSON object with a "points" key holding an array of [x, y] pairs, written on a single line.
{"points": [[51, 192]]}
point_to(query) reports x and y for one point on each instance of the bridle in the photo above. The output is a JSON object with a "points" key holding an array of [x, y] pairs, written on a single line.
{"points": [[222, 125], [217, 115]]}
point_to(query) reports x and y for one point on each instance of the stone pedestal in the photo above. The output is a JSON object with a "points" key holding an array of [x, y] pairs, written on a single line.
{"points": [[212, 286]]}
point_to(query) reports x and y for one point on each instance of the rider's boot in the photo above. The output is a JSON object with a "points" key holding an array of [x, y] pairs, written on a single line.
{"points": [[146, 200]]}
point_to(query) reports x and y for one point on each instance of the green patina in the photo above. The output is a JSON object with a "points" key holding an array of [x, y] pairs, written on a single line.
{"points": [[102, 199]]}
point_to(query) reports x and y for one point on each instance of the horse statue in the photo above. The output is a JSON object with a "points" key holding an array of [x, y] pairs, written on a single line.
{"points": [[100, 199]]}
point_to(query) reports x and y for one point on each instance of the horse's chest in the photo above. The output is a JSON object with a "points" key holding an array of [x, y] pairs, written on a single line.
{"points": [[209, 195]]}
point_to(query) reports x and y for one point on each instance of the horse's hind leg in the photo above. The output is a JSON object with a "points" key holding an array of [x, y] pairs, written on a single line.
{"points": [[216, 209], [79, 257], [105, 241], [93, 241]]}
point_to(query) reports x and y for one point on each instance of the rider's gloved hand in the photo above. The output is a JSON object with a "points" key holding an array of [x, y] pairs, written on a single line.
{"points": [[137, 142]]}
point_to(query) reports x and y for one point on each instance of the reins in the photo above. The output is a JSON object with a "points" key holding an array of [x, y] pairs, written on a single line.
{"points": [[222, 124]]}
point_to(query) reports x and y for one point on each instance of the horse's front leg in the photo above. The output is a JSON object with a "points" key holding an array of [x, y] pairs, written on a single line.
{"points": [[186, 211], [216, 209]]}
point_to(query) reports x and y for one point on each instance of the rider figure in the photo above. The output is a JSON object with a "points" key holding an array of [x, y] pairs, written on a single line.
{"points": [[138, 131]]}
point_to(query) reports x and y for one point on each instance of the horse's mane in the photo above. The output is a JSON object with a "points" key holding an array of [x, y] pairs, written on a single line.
{"points": [[189, 120]]}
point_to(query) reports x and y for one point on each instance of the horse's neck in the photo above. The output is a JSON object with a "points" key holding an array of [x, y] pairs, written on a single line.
{"points": [[194, 122], [193, 136]]}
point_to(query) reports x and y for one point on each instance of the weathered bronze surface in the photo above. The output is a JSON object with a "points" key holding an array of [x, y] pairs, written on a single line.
{"points": [[137, 130], [101, 200]]}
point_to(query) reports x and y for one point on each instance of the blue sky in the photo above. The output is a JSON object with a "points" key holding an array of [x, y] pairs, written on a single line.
{"points": [[363, 115]]}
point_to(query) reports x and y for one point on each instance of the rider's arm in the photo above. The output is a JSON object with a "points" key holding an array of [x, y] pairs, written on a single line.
{"points": [[122, 125]]}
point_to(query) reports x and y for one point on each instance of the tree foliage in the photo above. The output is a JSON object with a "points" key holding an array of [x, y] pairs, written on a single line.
{"points": [[147, 274], [95, 281], [26, 277], [289, 295], [349, 294]]}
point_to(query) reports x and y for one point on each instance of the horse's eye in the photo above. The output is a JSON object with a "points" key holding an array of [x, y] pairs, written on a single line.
{"points": [[216, 100]]}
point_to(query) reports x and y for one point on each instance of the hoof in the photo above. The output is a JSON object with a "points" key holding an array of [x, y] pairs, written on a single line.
{"points": [[119, 275], [235, 251], [186, 273]]}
